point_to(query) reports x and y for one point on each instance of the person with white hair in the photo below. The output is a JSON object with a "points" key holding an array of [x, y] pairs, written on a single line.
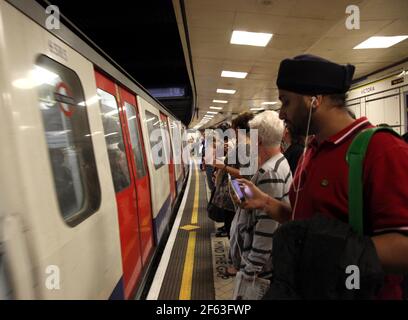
{"points": [[252, 230]]}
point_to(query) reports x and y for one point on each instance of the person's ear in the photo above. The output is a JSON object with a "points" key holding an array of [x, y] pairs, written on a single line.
{"points": [[313, 103]]}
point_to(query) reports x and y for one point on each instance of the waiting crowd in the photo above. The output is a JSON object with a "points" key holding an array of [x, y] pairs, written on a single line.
{"points": [[323, 216]]}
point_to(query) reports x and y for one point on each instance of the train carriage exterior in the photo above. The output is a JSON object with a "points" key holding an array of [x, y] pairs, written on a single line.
{"points": [[81, 199]]}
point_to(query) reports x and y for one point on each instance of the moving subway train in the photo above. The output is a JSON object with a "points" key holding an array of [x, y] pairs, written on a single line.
{"points": [[83, 204]]}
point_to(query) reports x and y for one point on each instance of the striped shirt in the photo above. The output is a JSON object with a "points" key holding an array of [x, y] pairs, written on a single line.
{"points": [[252, 230]]}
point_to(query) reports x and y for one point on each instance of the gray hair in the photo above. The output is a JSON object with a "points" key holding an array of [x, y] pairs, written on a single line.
{"points": [[270, 128]]}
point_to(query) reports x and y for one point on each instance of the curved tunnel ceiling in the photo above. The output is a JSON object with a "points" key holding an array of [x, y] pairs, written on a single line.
{"points": [[144, 40]]}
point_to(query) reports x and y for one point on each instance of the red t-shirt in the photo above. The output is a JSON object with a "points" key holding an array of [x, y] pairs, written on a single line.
{"points": [[323, 185]]}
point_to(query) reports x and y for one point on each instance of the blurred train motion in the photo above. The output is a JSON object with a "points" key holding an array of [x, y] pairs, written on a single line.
{"points": [[81, 197]]}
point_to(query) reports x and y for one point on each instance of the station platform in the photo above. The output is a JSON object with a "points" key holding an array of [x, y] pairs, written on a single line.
{"points": [[194, 260]]}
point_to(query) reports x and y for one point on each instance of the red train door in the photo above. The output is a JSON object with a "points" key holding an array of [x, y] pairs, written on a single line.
{"points": [[163, 119], [140, 172], [123, 180]]}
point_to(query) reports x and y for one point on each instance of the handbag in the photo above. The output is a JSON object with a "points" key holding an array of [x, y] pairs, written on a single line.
{"points": [[215, 213]]}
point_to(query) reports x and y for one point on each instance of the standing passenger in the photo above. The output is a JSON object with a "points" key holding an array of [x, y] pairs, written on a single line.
{"points": [[312, 91], [294, 150], [252, 230]]}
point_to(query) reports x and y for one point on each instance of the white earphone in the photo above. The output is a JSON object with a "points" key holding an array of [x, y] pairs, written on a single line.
{"points": [[313, 105]]}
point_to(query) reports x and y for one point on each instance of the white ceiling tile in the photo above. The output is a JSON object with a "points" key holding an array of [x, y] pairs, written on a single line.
{"points": [[321, 8], [211, 19], [384, 9]]}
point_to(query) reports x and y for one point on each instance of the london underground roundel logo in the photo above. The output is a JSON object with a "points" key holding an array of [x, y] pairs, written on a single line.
{"points": [[63, 96]]}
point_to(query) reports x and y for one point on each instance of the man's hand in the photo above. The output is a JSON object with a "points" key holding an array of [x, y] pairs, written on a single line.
{"points": [[254, 197], [218, 164], [392, 250]]}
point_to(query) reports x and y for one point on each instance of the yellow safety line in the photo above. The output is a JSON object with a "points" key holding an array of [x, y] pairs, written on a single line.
{"points": [[187, 278], [194, 215]]}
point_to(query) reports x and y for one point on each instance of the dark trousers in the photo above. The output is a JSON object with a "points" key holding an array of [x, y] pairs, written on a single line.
{"points": [[209, 170], [229, 216]]}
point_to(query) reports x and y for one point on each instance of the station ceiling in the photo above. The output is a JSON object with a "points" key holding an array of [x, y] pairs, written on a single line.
{"points": [[143, 37], [298, 26]]}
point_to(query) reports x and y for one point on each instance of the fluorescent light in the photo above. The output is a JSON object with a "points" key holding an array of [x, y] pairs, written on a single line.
{"points": [[216, 108], [269, 103], [380, 42], [251, 38], [257, 109], [220, 101], [111, 134], [36, 77], [212, 112], [90, 101], [234, 74], [227, 91], [111, 113]]}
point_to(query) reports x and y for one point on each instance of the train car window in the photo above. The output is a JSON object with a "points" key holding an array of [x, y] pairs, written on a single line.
{"points": [[176, 139], [65, 120], [166, 137], [155, 139], [135, 139], [114, 140], [183, 138]]}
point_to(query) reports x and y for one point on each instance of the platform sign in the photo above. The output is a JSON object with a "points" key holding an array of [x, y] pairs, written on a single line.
{"points": [[63, 96]]}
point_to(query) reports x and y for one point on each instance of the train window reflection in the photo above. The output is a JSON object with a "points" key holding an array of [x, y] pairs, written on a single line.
{"points": [[135, 139], [114, 140], [155, 138], [69, 141]]}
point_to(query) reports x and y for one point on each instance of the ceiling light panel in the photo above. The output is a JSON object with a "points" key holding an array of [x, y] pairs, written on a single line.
{"points": [[234, 74], [251, 38], [380, 42], [227, 91]]}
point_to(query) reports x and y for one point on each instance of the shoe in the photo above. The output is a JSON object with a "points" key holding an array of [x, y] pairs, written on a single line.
{"points": [[219, 234], [221, 228], [230, 271]]}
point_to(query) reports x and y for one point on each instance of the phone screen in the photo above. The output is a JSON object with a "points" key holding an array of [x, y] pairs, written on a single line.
{"points": [[237, 190], [248, 192]]}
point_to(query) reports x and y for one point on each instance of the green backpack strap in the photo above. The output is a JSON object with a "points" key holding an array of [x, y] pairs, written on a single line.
{"points": [[355, 157]]}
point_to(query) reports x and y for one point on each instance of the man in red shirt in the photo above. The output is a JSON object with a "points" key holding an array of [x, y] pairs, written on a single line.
{"points": [[312, 91]]}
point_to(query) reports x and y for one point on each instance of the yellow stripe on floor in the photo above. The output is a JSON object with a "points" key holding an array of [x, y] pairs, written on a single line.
{"points": [[187, 278], [194, 215]]}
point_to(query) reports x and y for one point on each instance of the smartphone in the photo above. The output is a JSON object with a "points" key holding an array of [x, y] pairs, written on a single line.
{"points": [[237, 189], [248, 192]]}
